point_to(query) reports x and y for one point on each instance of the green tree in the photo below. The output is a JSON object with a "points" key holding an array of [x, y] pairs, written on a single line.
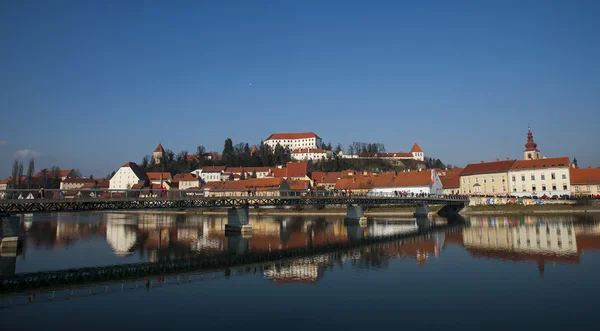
{"points": [[20, 175], [228, 153]]}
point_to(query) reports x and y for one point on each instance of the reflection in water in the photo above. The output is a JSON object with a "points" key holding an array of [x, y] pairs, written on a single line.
{"points": [[165, 237]]}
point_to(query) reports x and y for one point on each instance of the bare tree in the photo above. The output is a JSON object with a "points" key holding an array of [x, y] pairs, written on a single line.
{"points": [[76, 173], [30, 172], [20, 174], [15, 173]]}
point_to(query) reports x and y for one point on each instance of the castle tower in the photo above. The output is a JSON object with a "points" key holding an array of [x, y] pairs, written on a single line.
{"points": [[531, 152], [417, 152], [158, 153]]}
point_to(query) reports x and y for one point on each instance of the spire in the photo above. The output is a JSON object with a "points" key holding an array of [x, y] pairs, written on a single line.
{"points": [[530, 145]]}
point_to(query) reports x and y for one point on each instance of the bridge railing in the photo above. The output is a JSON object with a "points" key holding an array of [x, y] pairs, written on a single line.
{"points": [[25, 195]]}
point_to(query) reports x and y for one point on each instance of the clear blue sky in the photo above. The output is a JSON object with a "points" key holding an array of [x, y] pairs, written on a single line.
{"points": [[94, 84]]}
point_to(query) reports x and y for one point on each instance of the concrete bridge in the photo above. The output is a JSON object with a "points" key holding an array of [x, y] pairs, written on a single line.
{"points": [[237, 205], [237, 256]]}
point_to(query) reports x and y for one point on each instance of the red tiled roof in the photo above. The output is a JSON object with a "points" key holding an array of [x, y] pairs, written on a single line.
{"points": [[214, 169], [247, 169], [541, 163], [63, 173], [297, 169], [186, 177], [278, 172], [139, 172], [308, 150], [79, 180], [297, 135], [403, 179], [156, 175], [298, 185], [450, 181], [355, 182], [159, 149], [416, 148], [487, 167], [260, 184], [254, 150], [325, 177], [391, 154], [585, 176], [6, 180], [448, 172]]}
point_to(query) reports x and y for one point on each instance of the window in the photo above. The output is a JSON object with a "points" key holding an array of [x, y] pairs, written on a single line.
{"points": [[543, 187], [598, 188], [484, 180], [543, 177], [565, 187], [513, 178], [523, 178], [564, 176], [492, 179], [503, 188], [514, 189], [553, 187], [533, 188], [553, 176], [532, 177], [576, 188], [464, 181], [589, 188]]}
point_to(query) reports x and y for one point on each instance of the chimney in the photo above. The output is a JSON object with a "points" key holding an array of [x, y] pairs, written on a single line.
{"points": [[507, 159], [497, 160], [545, 157], [480, 161]]}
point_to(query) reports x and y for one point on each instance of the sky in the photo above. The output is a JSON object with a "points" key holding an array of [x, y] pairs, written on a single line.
{"points": [[94, 84]]}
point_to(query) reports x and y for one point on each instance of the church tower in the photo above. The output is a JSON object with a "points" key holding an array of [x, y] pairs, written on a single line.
{"points": [[158, 153], [531, 151]]}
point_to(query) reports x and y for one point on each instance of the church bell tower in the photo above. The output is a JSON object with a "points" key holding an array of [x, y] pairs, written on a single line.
{"points": [[531, 152]]}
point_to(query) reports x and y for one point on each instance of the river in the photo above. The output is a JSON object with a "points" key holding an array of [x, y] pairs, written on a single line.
{"points": [[488, 272]]}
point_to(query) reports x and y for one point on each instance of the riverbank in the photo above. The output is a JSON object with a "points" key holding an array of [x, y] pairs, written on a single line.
{"points": [[531, 209]]}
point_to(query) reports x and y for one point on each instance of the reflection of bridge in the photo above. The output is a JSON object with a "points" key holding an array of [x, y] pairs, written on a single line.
{"points": [[236, 256]]}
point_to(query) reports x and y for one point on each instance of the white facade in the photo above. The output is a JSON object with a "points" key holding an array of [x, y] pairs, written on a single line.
{"points": [[306, 154], [289, 141], [211, 176], [124, 179], [435, 188], [420, 156], [187, 184], [537, 182]]}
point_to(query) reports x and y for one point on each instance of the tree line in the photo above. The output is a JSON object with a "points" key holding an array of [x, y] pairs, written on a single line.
{"points": [[49, 178]]}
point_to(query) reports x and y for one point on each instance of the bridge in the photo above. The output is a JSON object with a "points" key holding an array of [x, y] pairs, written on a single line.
{"points": [[236, 258], [237, 203]]}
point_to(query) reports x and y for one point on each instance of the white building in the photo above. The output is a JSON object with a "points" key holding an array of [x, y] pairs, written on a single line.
{"points": [[187, 181], [539, 177], [416, 153], [294, 140], [305, 154], [127, 176], [417, 182], [210, 174]]}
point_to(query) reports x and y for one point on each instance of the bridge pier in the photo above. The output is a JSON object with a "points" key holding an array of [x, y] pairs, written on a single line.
{"points": [[355, 214], [237, 243], [421, 211], [356, 231], [238, 221], [10, 234]]}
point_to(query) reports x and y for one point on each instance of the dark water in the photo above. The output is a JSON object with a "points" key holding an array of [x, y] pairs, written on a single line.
{"points": [[490, 273]]}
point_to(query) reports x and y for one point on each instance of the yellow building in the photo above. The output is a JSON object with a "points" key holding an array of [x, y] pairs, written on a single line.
{"points": [[585, 182], [486, 178]]}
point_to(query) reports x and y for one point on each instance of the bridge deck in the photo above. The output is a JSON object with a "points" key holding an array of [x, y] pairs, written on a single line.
{"points": [[91, 204]]}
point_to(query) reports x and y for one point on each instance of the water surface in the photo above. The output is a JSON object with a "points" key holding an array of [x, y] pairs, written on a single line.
{"points": [[492, 272]]}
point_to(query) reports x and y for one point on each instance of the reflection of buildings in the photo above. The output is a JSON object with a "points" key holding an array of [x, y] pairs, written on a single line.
{"points": [[121, 235], [522, 240], [380, 228], [307, 270]]}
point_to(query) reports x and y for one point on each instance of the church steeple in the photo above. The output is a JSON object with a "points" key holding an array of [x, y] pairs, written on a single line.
{"points": [[531, 151]]}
